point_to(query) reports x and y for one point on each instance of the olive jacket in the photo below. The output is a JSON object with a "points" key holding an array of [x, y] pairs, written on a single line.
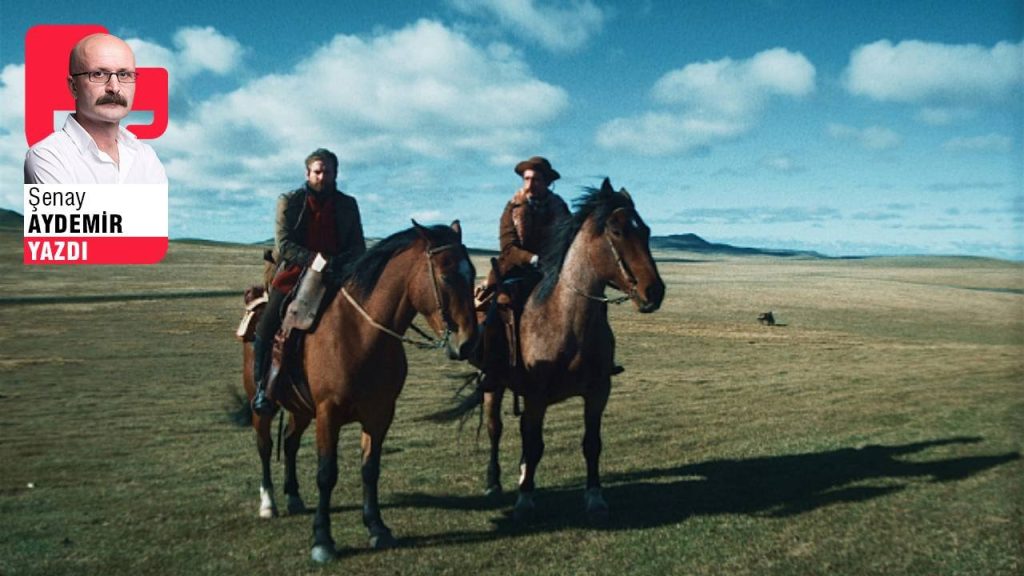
{"points": [[292, 223]]}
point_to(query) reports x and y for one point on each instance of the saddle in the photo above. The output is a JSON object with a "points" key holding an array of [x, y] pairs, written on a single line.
{"points": [[499, 306], [302, 309]]}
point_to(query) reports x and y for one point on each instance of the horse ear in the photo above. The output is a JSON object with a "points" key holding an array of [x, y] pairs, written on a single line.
{"points": [[625, 193], [420, 230], [458, 228], [606, 186], [617, 219]]}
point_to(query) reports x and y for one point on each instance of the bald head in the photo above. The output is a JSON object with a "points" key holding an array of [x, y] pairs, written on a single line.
{"points": [[95, 50], [108, 101]]}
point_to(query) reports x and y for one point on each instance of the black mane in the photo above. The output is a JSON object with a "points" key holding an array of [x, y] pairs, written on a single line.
{"points": [[362, 274], [596, 202]]}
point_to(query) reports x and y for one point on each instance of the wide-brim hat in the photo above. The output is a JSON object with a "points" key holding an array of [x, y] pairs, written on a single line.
{"points": [[538, 164]]}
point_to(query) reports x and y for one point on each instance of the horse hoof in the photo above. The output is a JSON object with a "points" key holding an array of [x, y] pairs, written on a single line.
{"points": [[268, 513], [296, 505], [597, 515], [493, 491], [525, 509], [322, 553], [382, 541], [595, 505]]}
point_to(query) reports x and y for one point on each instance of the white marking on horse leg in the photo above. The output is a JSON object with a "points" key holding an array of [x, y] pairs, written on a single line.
{"points": [[267, 507], [322, 554]]}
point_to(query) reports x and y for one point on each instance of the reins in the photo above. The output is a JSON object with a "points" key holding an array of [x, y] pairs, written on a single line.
{"points": [[625, 274], [601, 299], [429, 343]]}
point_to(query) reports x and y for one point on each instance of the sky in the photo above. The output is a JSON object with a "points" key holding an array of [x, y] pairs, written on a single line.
{"points": [[854, 128]]}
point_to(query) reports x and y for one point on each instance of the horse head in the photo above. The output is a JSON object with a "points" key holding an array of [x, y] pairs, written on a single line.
{"points": [[445, 293], [625, 256]]}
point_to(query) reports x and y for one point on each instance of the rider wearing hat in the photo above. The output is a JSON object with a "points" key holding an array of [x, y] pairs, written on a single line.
{"points": [[527, 224], [527, 228]]}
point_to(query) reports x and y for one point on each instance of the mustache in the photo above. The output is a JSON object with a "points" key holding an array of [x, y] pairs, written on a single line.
{"points": [[114, 98]]}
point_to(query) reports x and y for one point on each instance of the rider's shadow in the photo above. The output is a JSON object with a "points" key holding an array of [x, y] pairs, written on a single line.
{"points": [[773, 486]]}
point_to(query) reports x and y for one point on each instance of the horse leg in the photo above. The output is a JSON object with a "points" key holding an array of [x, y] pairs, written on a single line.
{"points": [[326, 479], [594, 403], [265, 447], [380, 534], [531, 429], [492, 408], [293, 437]]}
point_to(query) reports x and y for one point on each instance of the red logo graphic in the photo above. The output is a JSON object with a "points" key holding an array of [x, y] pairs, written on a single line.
{"points": [[47, 49]]}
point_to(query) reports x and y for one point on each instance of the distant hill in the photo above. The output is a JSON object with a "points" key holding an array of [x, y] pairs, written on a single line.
{"points": [[11, 220], [694, 243], [370, 241]]}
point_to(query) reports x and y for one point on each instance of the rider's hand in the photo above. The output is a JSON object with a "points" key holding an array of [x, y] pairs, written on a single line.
{"points": [[319, 263]]}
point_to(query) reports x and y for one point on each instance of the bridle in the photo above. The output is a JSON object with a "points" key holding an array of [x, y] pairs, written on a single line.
{"points": [[630, 294], [430, 342]]}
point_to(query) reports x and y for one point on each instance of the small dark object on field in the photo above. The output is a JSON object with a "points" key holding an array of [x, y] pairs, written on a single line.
{"points": [[768, 319]]}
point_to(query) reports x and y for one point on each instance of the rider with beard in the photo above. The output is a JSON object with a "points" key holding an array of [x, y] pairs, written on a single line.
{"points": [[317, 220]]}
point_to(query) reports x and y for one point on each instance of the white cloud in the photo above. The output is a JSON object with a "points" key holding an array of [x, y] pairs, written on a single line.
{"points": [[12, 98], [737, 88], [871, 137], [427, 216], [915, 71], [657, 134], [420, 92], [941, 116], [197, 50], [387, 103], [781, 163], [206, 49], [987, 143], [709, 102], [559, 27], [12, 134]]}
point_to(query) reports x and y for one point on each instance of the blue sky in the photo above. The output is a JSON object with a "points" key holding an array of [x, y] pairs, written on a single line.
{"points": [[857, 128]]}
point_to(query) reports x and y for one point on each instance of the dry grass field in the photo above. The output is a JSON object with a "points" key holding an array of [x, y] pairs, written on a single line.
{"points": [[879, 431]]}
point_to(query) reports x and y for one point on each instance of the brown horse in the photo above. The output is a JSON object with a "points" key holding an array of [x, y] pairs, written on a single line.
{"points": [[355, 363], [566, 342]]}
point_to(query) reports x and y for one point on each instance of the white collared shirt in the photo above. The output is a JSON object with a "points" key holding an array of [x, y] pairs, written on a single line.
{"points": [[70, 156]]}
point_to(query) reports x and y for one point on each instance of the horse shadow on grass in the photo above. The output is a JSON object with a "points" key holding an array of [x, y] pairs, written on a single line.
{"points": [[769, 486]]}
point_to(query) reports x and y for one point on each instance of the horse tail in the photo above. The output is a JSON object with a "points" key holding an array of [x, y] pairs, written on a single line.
{"points": [[464, 403], [238, 408]]}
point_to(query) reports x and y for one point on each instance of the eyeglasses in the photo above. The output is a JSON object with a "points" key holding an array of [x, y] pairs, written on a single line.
{"points": [[101, 77]]}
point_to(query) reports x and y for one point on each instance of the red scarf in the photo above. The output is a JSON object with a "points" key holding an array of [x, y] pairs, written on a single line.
{"points": [[321, 236], [322, 231]]}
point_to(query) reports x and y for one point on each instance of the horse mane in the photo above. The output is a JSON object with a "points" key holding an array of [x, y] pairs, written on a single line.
{"points": [[362, 274], [598, 203]]}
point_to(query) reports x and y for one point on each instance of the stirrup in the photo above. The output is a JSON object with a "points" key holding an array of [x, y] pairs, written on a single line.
{"points": [[261, 404]]}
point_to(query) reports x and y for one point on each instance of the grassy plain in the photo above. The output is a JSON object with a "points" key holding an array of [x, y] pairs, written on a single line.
{"points": [[878, 432]]}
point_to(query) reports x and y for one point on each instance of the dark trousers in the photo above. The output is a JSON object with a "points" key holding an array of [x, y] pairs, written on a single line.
{"points": [[263, 339]]}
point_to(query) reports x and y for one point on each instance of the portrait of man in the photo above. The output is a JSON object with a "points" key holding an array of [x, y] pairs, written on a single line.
{"points": [[92, 147]]}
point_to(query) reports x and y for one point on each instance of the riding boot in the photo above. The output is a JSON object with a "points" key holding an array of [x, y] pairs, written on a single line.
{"points": [[261, 404]]}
